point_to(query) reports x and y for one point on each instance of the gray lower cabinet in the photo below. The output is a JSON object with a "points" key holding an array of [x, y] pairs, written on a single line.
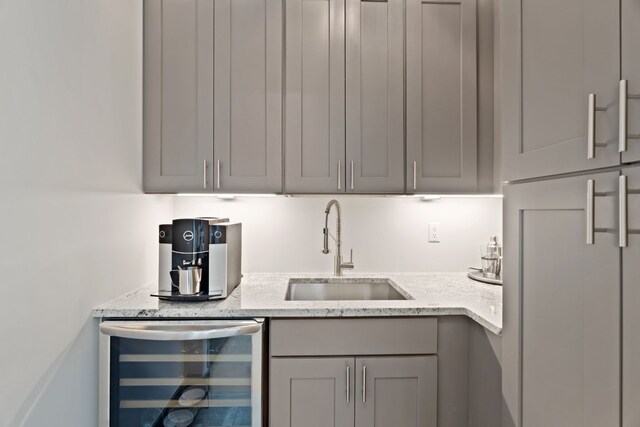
{"points": [[375, 96], [314, 96], [631, 305], [441, 87], [178, 95], [311, 392], [396, 391], [631, 72], [562, 332], [248, 96], [553, 56], [382, 391]]}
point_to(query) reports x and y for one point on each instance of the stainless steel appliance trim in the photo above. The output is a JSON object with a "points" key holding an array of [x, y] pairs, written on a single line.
{"points": [[104, 388], [179, 331], [622, 211]]}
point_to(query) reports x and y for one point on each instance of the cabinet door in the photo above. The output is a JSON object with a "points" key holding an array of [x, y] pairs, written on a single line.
{"points": [[397, 391], [561, 338], [631, 72], [631, 305], [248, 96], [441, 96], [314, 102], [554, 54], [178, 95], [375, 101], [311, 392]]}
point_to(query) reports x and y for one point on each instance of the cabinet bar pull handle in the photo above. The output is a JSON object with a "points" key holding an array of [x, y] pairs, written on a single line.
{"points": [[414, 175], [351, 174], [218, 174], [364, 384], [348, 383], [623, 136], [591, 133], [622, 211], [339, 174], [590, 208], [204, 174]]}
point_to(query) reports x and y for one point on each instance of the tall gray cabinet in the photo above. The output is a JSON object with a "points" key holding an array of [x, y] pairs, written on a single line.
{"points": [[442, 104], [178, 95], [570, 84], [212, 72], [344, 100]]}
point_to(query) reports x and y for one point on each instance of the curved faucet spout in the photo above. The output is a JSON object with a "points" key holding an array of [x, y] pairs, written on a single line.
{"points": [[339, 265]]}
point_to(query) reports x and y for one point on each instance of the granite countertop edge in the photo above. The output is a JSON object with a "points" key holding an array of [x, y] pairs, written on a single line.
{"points": [[262, 295]]}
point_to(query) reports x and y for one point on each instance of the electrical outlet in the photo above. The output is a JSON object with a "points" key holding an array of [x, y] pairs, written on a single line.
{"points": [[434, 232]]}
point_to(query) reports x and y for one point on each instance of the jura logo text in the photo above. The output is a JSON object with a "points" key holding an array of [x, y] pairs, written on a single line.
{"points": [[188, 235]]}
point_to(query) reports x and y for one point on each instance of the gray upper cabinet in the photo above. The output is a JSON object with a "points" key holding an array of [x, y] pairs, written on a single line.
{"points": [[631, 72], [314, 96], [561, 338], [554, 55], [441, 96], [375, 100], [396, 391], [178, 95], [248, 96], [311, 392]]}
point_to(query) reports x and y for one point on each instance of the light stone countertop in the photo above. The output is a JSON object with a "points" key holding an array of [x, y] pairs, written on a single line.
{"points": [[262, 295]]}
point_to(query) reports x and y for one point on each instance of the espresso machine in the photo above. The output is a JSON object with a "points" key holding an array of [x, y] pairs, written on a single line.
{"points": [[199, 259]]}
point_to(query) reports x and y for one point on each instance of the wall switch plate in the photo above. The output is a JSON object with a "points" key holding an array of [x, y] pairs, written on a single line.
{"points": [[434, 232]]}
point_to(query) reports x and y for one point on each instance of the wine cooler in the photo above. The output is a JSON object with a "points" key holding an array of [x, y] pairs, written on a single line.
{"points": [[181, 373]]}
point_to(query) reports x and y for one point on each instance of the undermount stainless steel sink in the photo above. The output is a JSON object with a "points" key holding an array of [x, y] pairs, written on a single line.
{"points": [[344, 289]]}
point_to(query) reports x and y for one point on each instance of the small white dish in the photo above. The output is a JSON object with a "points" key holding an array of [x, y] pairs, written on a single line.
{"points": [[179, 418], [191, 396]]}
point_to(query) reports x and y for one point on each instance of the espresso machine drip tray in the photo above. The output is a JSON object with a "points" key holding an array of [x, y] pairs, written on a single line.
{"points": [[201, 296]]}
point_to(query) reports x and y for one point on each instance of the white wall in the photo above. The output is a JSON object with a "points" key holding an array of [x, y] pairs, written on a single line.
{"points": [[284, 234], [75, 229]]}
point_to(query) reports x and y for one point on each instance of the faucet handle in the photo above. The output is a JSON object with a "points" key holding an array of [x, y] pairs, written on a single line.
{"points": [[349, 265]]}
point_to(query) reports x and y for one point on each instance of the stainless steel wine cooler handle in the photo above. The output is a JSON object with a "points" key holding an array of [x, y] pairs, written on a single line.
{"points": [[348, 383], [364, 384], [591, 132], [623, 136], [178, 330], [623, 226]]}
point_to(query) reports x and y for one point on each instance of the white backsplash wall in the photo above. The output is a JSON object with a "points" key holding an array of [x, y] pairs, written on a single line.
{"points": [[387, 234], [76, 229]]}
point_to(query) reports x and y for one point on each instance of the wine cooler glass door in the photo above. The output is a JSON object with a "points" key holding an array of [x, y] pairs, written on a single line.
{"points": [[179, 374]]}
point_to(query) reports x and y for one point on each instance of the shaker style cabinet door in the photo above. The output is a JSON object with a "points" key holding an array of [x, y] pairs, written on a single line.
{"points": [[375, 101], [248, 96], [311, 392], [630, 99], [631, 303], [554, 55], [397, 391], [314, 96], [441, 96], [178, 95], [561, 340]]}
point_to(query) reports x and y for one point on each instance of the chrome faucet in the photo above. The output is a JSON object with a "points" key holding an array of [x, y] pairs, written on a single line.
{"points": [[338, 264]]}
